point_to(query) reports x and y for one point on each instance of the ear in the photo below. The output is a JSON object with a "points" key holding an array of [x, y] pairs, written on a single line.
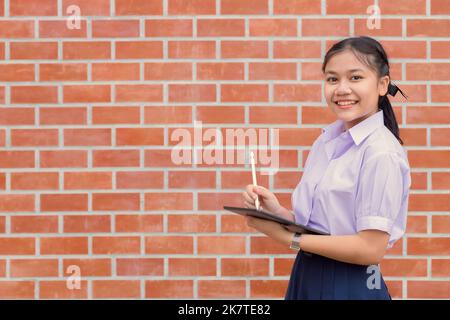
{"points": [[383, 85]]}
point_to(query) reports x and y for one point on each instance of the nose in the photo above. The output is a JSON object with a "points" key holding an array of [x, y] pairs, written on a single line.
{"points": [[343, 88]]}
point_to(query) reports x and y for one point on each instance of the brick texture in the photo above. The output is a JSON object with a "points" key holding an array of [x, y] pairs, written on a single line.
{"points": [[90, 117]]}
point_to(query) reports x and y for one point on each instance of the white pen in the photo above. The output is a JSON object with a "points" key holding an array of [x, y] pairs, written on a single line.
{"points": [[252, 161]]}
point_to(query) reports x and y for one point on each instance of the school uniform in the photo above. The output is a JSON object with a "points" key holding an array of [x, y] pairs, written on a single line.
{"points": [[353, 180]]}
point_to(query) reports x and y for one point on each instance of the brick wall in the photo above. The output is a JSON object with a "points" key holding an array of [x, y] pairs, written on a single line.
{"points": [[87, 115]]}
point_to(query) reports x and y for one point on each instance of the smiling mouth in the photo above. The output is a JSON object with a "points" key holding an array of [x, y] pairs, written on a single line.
{"points": [[345, 104]]}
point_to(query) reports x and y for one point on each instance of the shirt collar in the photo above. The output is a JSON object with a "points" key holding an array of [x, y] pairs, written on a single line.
{"points": [[358, 132]]}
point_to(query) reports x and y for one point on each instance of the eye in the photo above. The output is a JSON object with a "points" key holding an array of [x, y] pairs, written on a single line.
{"points": [[357, 77], [331, 78]]}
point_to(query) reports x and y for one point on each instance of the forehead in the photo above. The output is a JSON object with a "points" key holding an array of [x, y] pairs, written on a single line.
{"points": [[345, 62]]}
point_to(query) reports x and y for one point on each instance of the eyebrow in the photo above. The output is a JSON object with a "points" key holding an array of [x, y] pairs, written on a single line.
{"points": [[352, 70]]}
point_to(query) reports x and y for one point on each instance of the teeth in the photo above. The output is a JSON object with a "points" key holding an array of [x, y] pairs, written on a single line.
{"points": [[345, 103]]}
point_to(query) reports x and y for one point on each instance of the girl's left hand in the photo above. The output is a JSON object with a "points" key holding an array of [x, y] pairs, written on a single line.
{"points": [[270, 228]]}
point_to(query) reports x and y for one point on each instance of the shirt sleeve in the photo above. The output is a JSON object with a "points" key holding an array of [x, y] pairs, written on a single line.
{"points": [[379, 194]]}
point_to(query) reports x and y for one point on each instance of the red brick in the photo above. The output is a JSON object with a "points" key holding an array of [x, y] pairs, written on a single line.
{"points": [[63, 72], [86, 93], [244, 49], [268, 288], [34, 137], [192, 7], [139, 93], [115, 28], [168, 28], [115, 158], [139, 223], [221, 289], [60, 290], [191, 223], [169, 289], [34, 224], [251, 267], [87, 180], [33, 50], [16, 202], [168, 71], [17, 246], [192, 49], [115, 71], [89, 267], [33, 7], [34, 94], [429, 246], [86, 50], [64, 202], [192, 267], [139, 136], [87, 137], [63, 158], [88, 7], [34, 180], [167, 114], [64, 115], [140, 267], [116, 289], [244, 7], [64, 245], [16, 29], [59, 29], [169, 245], [115, 201], [168, 201], [116, 245], [325, 27], [220, 27], [16, 159], [16, 72], [273, 27], [297, 92], [34, 268], [139, 50], [87, 224], [139, 7], [17, 289], [297, 7], [115, 115], [221, 245], [428, 28], [139, 180]]}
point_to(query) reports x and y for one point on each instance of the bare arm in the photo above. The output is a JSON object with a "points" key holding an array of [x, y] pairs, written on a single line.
{"points": [[366, 247]]}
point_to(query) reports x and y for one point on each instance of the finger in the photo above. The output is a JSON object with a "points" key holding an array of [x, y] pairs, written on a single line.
{"points": [[263, 192], [248, 198], [249, 205], [250, 191]]}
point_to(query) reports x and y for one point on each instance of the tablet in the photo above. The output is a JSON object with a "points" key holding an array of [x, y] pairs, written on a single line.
{"points": [[290, 225]]}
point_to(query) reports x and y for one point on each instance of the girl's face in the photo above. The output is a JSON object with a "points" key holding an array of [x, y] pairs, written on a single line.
{"points": [[352, 88]]}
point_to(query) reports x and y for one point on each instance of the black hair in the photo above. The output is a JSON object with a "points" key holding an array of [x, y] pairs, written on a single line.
{"points": [[370, 52]]}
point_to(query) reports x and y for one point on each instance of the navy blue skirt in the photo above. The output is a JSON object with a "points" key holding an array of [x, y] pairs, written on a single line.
{"points": [[316, 277]]}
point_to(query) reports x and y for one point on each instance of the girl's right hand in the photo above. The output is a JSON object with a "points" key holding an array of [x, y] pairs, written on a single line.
{"points": [[267, 200]]}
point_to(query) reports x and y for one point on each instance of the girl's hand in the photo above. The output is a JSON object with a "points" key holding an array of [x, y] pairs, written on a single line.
{"points": [[268, 201], [270, 228]]}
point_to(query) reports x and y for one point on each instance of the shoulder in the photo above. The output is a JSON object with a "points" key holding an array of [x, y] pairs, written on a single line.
{"points": [[382, 145]]}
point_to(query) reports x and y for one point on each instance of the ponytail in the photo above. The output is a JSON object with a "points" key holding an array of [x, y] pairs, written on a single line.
{"points": [[388, 113]]}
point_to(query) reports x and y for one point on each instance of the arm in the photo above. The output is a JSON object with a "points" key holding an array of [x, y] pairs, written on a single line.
{"points": [[365, 247]]}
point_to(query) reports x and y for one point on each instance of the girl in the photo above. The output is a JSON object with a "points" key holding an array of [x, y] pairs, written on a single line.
{"points": [[355, 183]]}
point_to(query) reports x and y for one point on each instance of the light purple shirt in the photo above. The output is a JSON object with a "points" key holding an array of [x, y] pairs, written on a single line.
{"points": [[355, 180]]}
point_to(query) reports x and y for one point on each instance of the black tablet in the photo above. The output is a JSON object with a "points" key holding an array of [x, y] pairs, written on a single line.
{"points": [[290, 225]]}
